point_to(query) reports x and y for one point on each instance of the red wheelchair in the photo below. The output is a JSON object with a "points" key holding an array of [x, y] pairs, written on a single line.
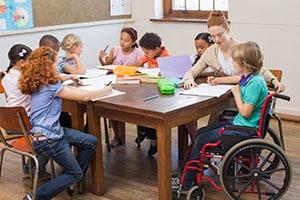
{"points": [[248, 167]]}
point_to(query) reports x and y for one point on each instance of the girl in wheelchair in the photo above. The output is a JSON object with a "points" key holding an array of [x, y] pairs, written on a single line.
{"points": [[249, 96]]}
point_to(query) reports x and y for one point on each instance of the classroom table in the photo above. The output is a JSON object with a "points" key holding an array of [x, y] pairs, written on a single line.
{"points": [[162, 113]]}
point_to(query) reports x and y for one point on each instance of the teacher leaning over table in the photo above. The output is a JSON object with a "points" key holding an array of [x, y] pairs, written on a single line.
{"points": [[218, 58]]}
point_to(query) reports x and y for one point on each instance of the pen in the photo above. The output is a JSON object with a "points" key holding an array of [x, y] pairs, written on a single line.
{"points": [[105, 48], [151, 97], [108, 84]]}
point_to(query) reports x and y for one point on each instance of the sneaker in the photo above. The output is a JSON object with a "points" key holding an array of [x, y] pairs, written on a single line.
{"points": [[175, 183], [140, 137], [152, 150], [114, 142], [27, 197]]}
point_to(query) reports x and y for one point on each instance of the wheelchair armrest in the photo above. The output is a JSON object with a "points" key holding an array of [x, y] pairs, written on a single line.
{"points": [[228, 114], [246, 129]]}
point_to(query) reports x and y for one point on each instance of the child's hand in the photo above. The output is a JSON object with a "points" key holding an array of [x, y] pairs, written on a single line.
{"points": [[212, 80], [110, 58], [102, 54], [235, 90], [73, 56], [76, 80], [189, 83]]}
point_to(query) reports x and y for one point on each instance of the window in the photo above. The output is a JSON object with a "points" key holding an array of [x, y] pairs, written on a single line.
{"points": [[193, 8]]}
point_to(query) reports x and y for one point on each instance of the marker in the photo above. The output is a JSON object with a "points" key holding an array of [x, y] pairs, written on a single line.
{"points": [[108, 84], [151, 97], [105, 48]]}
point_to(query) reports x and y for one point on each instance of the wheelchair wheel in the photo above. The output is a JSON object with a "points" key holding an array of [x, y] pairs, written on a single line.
{"points": [[255, 180], [196, 193]]}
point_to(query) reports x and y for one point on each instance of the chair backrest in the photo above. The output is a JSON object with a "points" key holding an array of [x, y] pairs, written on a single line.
{"points": [[1, 87], [265, 115], [15, 119]]}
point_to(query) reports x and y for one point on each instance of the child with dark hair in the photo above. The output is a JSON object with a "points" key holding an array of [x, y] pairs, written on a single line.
{"points": [[50, 41], [17, 55], [127, 53], [202, 42], [151, 45]]}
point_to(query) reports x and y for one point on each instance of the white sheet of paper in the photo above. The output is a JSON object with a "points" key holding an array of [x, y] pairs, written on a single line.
{"points": [[206, 89], [114, 93], [93, 73], [149, 71], [108, 67]]}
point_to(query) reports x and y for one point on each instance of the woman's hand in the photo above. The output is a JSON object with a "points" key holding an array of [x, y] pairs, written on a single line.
{"points": [[189, 83]]}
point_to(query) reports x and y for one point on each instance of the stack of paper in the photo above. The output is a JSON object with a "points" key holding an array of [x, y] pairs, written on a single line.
{"points": [[205, 89]]}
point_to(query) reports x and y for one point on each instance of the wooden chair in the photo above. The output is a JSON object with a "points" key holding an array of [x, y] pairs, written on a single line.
{"points": [[16, 119], [277, 73]]}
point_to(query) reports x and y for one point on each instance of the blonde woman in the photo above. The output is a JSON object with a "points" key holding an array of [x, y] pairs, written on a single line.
{"points": [[71, 62], [218, 58]]}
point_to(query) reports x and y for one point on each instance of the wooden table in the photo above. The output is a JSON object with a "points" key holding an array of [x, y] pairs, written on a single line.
{"points": [[161, 113]]}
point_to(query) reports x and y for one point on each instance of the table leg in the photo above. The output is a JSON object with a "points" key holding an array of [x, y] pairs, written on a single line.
{"points": [[183, 141], [97, 161], [164, 162]]}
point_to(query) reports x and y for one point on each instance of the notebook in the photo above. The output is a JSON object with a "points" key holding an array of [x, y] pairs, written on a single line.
{"points": [[174, 66]]}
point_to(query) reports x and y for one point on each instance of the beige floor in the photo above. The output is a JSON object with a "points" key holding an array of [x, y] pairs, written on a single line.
{"points": [[131, 175]]}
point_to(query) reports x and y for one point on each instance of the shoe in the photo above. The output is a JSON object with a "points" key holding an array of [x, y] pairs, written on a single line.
{"points": [[114, 142], [140, 137], [70, 191], [175, 183], [152, 150], [27, 197]]}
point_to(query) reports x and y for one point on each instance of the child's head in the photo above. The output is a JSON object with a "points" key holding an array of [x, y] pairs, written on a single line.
{"points": [[128, 38], [247, 57], [50, 41], [202, 42], [72, 44], [40, 70], [218, 27], [150, 44], [17, 55]]}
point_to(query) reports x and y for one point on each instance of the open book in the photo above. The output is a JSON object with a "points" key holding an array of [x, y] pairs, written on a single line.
{"points": [[206, 89]]}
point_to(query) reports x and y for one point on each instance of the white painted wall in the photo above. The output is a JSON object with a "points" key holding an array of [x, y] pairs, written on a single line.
{"points": [[274, 24]]}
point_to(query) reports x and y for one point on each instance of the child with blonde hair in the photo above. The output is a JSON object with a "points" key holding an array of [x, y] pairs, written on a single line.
{"points": [[71, 62], [249, 96]]}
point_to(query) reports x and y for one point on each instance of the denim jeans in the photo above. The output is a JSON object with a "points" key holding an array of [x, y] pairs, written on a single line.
{"points": [[60, 151], [208, 134]]}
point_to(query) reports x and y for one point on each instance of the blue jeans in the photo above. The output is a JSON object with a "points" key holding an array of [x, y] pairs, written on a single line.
{"points": [[60, 151], [208, 134]]}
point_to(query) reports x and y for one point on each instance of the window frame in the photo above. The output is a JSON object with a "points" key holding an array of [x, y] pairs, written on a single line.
{"points": [[170, 13]]}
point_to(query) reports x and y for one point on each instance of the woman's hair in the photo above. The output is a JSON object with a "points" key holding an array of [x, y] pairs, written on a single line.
{"points": [[16, 53], [133, 34], [38, 71], [150, 41], [217, 18], [248, 55], [69, 41], [205, 37]]}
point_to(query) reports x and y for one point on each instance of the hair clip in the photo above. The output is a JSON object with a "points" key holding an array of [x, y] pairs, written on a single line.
{"points": [[22, 52]]}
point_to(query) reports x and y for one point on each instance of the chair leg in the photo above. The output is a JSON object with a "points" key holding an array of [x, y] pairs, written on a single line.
{"points": [[52, 169], [1, 159], [106, 134], [36, 175], [30, 171]]}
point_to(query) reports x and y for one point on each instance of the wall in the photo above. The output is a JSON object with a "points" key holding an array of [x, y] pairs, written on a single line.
{"points": [[269, 24]]}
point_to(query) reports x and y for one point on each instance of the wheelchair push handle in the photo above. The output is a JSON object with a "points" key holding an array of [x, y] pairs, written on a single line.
{"points": [[282, 96]]}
